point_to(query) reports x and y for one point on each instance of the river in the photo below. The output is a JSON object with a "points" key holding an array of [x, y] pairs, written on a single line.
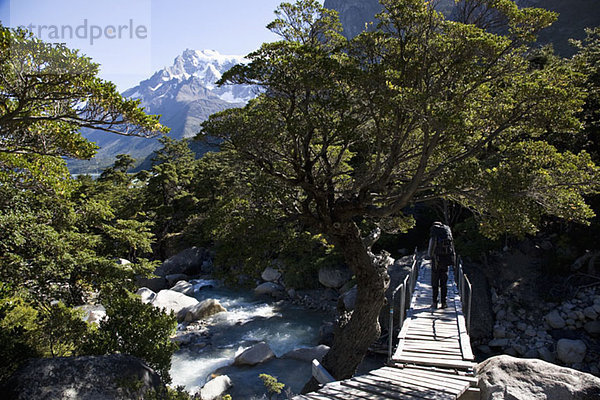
{"points": [[249, 320]]}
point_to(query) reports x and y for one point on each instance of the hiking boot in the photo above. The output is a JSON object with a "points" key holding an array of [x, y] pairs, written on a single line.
{"points": [[434, 305], [444, 305]]}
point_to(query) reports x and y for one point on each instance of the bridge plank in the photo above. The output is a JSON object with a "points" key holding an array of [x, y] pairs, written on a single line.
{"points": [[435, 362], [453, 385], [419, 382], [435, 372], [348, 388], [389, 391]]}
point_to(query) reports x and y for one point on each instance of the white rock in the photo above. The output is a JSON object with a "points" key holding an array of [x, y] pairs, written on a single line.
{"points": [[202, 310], [170, 300], [505, 377], [184, 287], [92, 313], [270, 274], [570, 351], [256, 354], [146, 294], [216, 387]]}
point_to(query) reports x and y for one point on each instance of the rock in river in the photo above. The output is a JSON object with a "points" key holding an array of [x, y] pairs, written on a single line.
{"points": [[256, 354], [204, 309]]}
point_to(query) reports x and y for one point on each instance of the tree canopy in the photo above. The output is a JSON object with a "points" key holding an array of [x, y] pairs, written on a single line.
{"points": [[48, 92], [418, 109], [60, 237]]}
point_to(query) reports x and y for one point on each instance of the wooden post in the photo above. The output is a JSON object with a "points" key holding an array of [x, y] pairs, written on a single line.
{"points": [[402, 304], [391, 329], [469, 305]]}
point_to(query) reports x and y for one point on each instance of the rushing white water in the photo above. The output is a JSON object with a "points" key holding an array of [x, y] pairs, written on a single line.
{"points": [[249, 320]]}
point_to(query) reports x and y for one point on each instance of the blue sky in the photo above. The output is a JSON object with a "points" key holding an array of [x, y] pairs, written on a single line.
{"points": [[131, 39]]}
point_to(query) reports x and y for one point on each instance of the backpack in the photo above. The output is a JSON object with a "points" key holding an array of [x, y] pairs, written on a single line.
{"points": [[443, 240]]}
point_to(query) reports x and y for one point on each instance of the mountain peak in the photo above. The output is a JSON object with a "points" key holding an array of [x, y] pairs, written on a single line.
{"points": [[206, 67]]}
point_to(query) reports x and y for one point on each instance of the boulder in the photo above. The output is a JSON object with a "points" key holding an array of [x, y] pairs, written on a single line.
{"points": [[256, 354], [334, 277], [505, 377], [92, 313], [154, 284], [204, 309], [184, 287], [349, 299], [592, 327], [555, 320], [270, 274], [174, 301], [590, 313], [146, 294], [115, 376], [308, 353], [216, 387], [188, 262], [269, 288], [570, 351]]}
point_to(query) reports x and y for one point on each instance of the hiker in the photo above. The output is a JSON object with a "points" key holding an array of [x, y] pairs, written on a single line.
{"points": [[441, 253]]}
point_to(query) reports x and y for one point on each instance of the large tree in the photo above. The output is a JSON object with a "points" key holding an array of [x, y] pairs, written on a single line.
{"points": [[59, 237], [418, 109]]}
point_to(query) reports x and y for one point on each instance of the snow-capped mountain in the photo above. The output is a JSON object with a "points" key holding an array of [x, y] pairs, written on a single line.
{"points": [[200, 67], [184, 94]]}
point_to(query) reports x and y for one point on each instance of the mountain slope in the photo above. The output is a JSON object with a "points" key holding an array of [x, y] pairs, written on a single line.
{"points": [[185, 94]]}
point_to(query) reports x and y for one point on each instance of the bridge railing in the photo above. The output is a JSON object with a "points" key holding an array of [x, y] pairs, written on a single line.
{"points": [[405, 288], [465, 290]]}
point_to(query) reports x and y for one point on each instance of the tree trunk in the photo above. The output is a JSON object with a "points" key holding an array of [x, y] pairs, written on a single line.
{"points": [[353, 337]]}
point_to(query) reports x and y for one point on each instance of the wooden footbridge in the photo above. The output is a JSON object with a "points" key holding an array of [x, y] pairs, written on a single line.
{"points": [[433, 358]]}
